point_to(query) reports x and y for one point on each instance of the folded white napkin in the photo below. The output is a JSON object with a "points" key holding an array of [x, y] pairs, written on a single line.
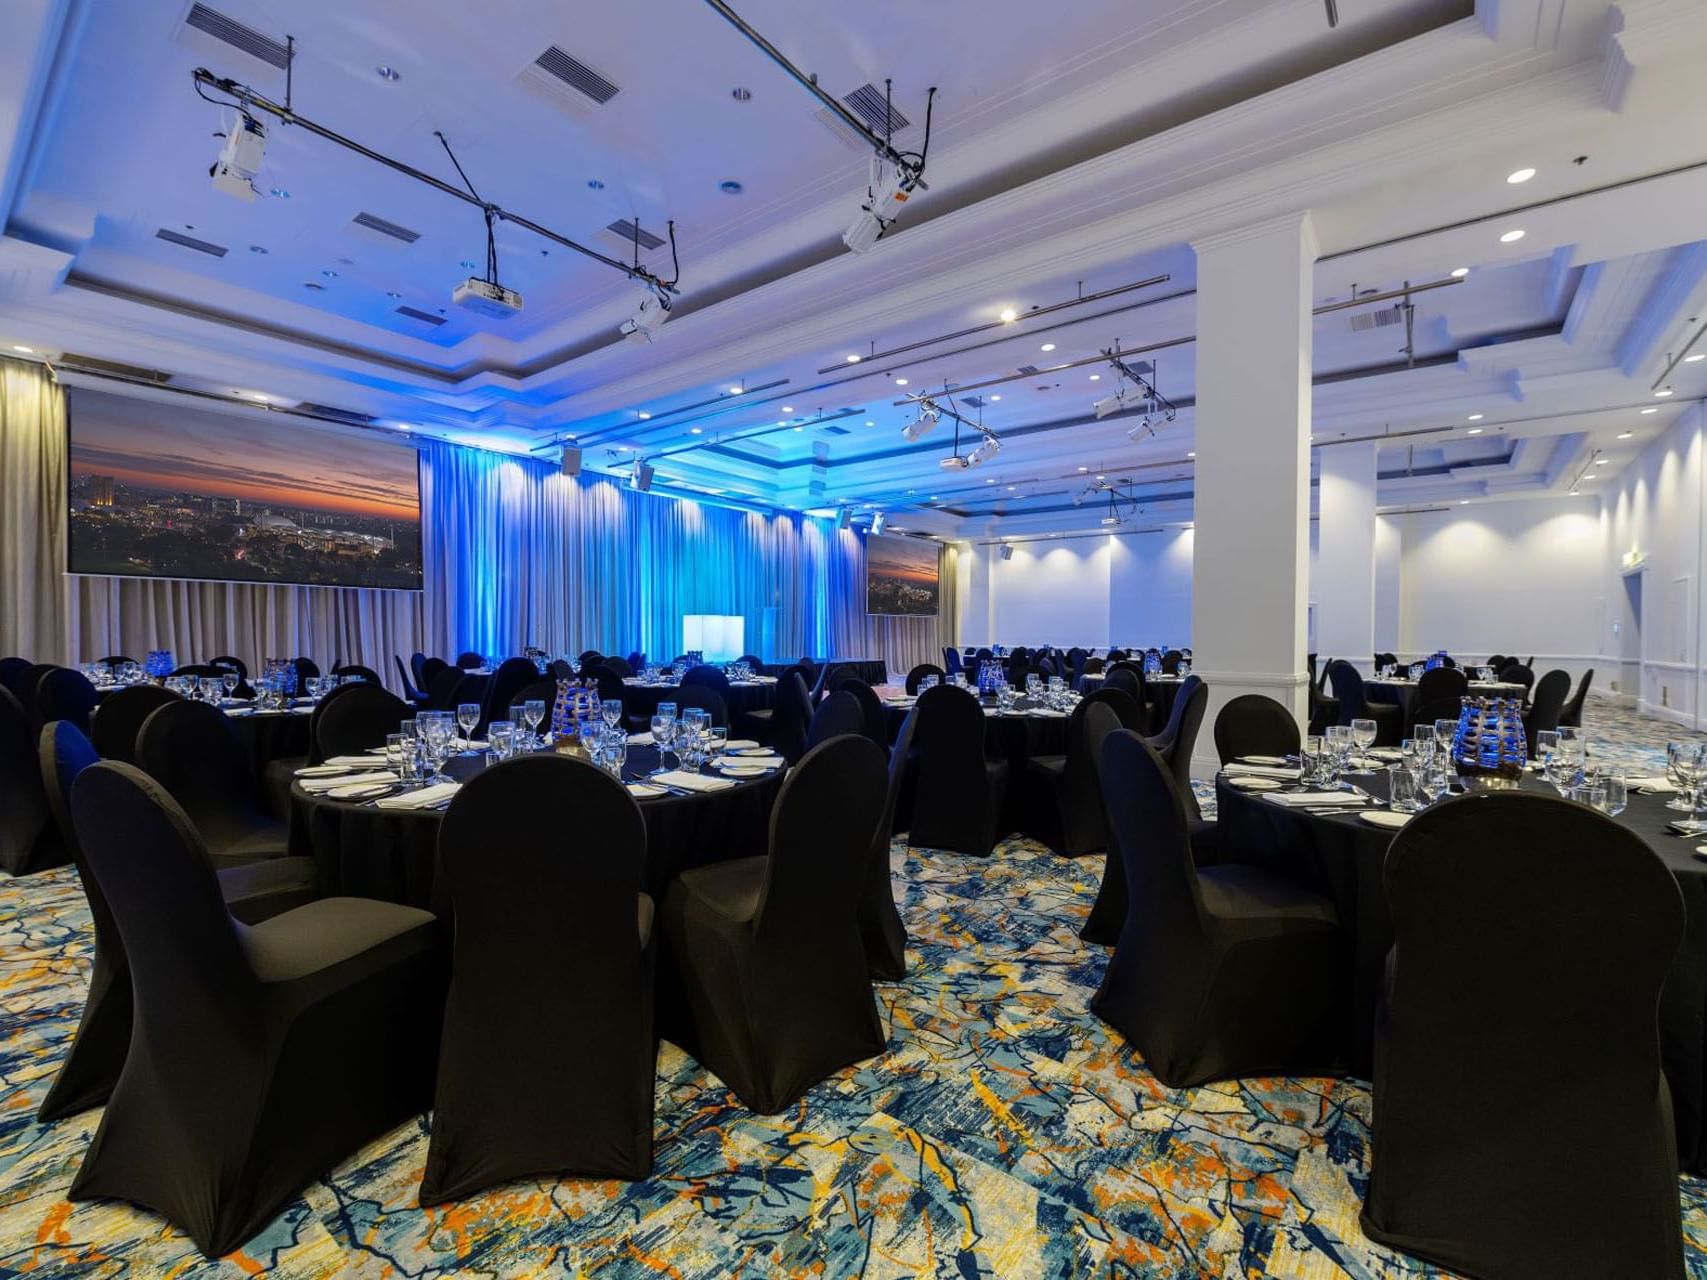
{"points": [[639, 739], [1289, 773], [691, 781], [749, 762], [1658, 785], [643, 790], [468, 744], [1316, 799], [315, 786], [349, 762], [740, 744], [422, 799]]}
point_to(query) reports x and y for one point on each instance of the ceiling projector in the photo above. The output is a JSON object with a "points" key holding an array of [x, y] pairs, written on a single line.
{"points": [[487, 298], [240, 159], [651, 309]]}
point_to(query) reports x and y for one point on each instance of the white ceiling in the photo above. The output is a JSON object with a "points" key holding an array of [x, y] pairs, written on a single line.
{"points": [[1068, 157]]}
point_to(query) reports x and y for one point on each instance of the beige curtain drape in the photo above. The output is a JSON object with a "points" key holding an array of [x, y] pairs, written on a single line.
{"points": [[33, 586]]}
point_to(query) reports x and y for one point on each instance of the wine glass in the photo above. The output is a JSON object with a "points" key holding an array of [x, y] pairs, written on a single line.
{"points": [[468, 716], [610, 710], [1363, 734], [501, 739], [533, 711]]}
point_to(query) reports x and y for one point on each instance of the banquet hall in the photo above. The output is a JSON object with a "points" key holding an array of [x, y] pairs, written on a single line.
{"points": [[722, 638]]}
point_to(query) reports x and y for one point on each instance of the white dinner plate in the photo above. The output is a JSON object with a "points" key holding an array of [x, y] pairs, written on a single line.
{"points": [[743, 771], [1384, 818], [1253, 783], [1263, 760], [645, 790]]}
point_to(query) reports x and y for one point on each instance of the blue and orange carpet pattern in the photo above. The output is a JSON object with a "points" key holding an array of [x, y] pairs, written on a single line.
{"points": [[1005, 1135]]}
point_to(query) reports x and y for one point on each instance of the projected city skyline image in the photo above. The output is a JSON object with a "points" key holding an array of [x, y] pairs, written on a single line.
{"points": [[901, 576], [164, 490]]}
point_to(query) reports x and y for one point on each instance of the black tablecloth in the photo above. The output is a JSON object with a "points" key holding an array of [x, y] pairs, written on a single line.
{"points": [[871, 670], [643, 699], [392, 854], [1403, 693], [1342, 856], [1164, 689], [272, 735]]}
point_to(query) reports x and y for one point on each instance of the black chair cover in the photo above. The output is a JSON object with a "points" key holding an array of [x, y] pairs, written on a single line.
{"points": [[773, 992], [789, 717], [21, 678], [622, 666], [1548, 705], [64, 694], [871, 707], [1094, 666], [1498, 661], [445, 688], [253, 893], [541, 691], [231, 664], [468, 660], [1347, 684], [358, 718], [705, 698], [354, 671], [957, 802], [881, 931], [918, 673], [430, 667], [708, 676], [1170, 662], [753, 661], [1518, 1035], [1063, 806], [117, 724], [306, 670], [410, 689], [589, 655], [1443, 684], [1218, 973], [1178, 739], [192, 750], [232, 1098], [1253, 724], [1572, 715], [837, 714], [561, 670], [512, 676], [1517, 673], [555, 1078], [10, 670], [28, 839]]}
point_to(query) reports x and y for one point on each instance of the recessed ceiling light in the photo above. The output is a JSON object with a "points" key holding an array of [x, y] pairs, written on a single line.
{"points": [[730, 187], [854, 359], [736, 390], [1096, 377], [1084, 468], [1463, 502], [389, 73], [26, 351], [693, 431], [392, 293], [788, 408], [995, 397], [1191, 453], [933, 497], [870, 423], [1699, 355], [644, 415], [279, 193], [1047, 346], [257, 248], [1474, 431], [1519, 175], [741, 94], [330, 274], [989, 479], [1099, 477], [1458, 273], [1475, 417], [1663, 392], [1573, 493], [1012, 487], [1009, 315], [800, 428], [900, 382], [1601, 462], [593, 184], [1650, 410], [1512, 236]]}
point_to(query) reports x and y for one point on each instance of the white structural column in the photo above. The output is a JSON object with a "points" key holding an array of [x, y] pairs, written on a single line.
{"points": [[1344, 587], [1250, 567]]}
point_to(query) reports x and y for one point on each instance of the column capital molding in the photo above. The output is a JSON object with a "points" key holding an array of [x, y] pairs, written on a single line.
{"points": [[1299, 220]]}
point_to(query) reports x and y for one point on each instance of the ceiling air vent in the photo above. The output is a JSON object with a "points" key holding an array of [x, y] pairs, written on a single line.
{"points": [[383, 226], [567, 82], [227, 30], [625, 230], [348, 416], [977, 402], [425, 317], [833, 431], [1379, 318], [134, 373], [866, 102], [1029, 370], [190, 242]]}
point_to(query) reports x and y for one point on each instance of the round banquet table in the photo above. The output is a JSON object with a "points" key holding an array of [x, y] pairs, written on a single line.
{"points": [[640, 699], [1015, 736], [1403, 693], [272, 735], [363, 851], [1342, 856], [871, 670], [1164, 688]]}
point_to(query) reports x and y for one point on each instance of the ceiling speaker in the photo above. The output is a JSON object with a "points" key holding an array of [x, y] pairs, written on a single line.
{"points": [[842, 517], [571, 460], [642, 475], [1007, 552]]}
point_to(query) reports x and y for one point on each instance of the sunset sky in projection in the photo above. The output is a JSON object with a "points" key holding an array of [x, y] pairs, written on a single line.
{"points": [[256, 456], [902, 558]]}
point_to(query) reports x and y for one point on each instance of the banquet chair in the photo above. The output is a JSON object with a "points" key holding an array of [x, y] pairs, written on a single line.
{"points": [[1178, 738], [881, 930], [426, 669], [755, 662], [622, 666], [231, 664], [957, 799], [410, 691], [560, 670], [9, 669], [1442, 685], [1093, 666], [557, 1079], [838, 714], [21, 677], [117, 722], [1253, 724], [768, 988], [194, 753], [1499, 662], [252, 893], [1170, 662], [1347, 684], [790, 717], [1517, 673], [1425, 714], [637, 660], [707, 700], [28, 839], [201, 670], [262, 1055], [64, 694], [545, 691], [306, 670], [445, 688], [1386, 660], [468, 660], [1517, 1032], [360, 717], [586, 656], [706, 676], [1572, 715], [512, 676], [1219, 972], [1548, 705], [355, 671], [951, 661], [1061, 802], [876, 719], [116, 660], [918, 673]]}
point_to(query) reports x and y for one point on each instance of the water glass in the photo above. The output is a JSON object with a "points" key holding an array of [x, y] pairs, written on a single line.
{"points": [[501, 739], [1615, 793], [1444, 732], [611, 712], [533, 711], [1404, 794], [1363, 734], [468, 716], [615, 754]]}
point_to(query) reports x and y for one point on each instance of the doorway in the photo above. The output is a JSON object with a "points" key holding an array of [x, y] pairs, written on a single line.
{"points": [[1630, 641]]}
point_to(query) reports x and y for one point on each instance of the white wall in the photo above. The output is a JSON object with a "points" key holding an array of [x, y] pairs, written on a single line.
{"points": [[1150, 582], [1653, 514]]}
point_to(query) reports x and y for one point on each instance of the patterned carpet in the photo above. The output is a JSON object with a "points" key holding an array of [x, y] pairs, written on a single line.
{"points": [[1006, 1134]]}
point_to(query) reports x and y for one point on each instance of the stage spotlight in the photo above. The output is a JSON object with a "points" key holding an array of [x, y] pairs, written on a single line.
{"points": [[651, 309], [886, 192], [954, 462], [1142, 429], [240, 159], [1115, 403], [1007, 552], [842, 517], [924, 424], [987, 449], [877, 522], [642, 475]]}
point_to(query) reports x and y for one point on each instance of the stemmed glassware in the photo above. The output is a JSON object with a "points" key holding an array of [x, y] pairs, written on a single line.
{"points": [[611, 711], [468, 716], [1363, 735], [230, 681], [533, 711], [663, 732], [1674, 774], [438, 730]]}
